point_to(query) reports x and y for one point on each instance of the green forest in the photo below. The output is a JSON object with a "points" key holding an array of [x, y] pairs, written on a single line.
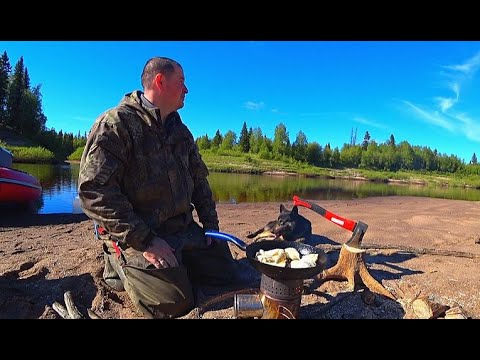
{"points": [[367, 154], [21, 111]]}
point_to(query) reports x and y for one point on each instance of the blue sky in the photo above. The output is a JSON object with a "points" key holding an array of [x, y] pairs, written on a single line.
{"points": [[424, 92]]}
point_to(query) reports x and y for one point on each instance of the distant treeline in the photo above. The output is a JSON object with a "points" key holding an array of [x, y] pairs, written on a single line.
{"points": [[387, 156], [21, 111]]}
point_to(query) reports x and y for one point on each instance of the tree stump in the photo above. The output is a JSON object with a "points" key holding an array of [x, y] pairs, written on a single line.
{"points": [[351, 267]]}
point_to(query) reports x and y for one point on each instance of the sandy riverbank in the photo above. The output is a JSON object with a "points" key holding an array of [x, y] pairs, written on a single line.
{"points": [[42, 256]]}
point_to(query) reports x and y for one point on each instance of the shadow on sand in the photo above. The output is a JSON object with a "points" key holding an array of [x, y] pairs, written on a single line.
{"points": [[25, 219], [26, 298]]}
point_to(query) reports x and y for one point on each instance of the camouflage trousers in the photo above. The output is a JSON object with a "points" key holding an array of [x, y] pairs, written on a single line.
{"points": [[168, 292]]}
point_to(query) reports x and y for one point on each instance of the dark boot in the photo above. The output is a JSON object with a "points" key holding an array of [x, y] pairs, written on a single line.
{"points": [[110, 276]]}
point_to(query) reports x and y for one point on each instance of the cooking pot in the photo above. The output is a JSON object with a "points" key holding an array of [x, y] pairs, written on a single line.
{"points": [[275, 272]]}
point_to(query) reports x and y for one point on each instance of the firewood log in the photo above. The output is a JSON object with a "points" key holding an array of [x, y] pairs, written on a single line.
{"points": [[424, 308], [455, 312]]}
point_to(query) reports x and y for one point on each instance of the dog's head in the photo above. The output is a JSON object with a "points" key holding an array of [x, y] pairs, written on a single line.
{"points": [[286, 220]]}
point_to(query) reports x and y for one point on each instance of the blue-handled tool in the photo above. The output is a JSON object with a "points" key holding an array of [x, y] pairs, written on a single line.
{"points": [[226, 237]]}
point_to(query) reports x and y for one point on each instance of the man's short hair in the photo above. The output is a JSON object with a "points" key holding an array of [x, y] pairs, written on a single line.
{"points": [[157, 65]]}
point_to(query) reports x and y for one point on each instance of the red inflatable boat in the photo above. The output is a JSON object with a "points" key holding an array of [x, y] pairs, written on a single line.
{"points": [[18, 187]]}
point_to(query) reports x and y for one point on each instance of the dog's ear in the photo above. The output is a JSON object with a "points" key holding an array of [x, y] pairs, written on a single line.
{"points": [[295, 210], [282, 208]]}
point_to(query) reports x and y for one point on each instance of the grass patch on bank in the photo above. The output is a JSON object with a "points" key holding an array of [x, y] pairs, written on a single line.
{"points": [[77, 154], [32, 155], [253, 164], [413, 177]]}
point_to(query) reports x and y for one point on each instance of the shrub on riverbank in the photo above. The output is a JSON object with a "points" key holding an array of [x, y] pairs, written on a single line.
{"points": [[77, 154], [32, 155]]}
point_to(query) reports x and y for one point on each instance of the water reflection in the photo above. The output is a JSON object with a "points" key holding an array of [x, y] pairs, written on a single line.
{"points": [[59, 184], [258, 188]]}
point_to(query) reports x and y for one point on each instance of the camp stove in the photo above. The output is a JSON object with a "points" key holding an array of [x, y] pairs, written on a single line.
{"points": [[276, 299], [281, 288]]}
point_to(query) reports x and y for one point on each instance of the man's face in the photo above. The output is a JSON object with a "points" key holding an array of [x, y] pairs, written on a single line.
{"points": [[175, 89]]}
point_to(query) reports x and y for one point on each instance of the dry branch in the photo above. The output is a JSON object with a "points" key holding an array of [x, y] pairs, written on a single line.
{"points": [[92, 314], [60, 310], [71, 308]]}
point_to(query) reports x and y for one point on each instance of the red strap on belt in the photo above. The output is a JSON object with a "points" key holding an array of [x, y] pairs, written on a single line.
{"points": [[117, 249], [103, 231]]}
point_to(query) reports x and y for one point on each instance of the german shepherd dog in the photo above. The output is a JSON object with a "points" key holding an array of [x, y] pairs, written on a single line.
{"points": [[289, 226]]}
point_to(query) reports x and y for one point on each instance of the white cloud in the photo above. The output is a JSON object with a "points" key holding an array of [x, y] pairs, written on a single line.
{"points": [[252, 105], [469, 127], [446, 103], [456, 89], [469, 67], [459, 73], [367, 122], [446, 116], [432, 117]]}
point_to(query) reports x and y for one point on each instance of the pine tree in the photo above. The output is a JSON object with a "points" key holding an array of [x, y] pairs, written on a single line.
{"points": [[244, 141], [26, 80], [217, 140], [391, 141], [474, 159], [366, 141], [24, 104], [32, 118], [15, 96], [5, 69]]}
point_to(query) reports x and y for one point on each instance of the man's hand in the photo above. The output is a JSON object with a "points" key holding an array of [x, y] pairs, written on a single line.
{"points": [[160, 254], [210, 241]]}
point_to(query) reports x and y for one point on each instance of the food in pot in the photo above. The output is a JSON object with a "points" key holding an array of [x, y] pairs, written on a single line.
{"points": [[309, 260], [288, 257], [292, 253], [275, 257]]}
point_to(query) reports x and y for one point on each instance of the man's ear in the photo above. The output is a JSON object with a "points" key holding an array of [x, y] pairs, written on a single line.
{"points": [[282, 208], [158, 80]]}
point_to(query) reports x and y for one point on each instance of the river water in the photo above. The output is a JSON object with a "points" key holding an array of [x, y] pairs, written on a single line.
{"points": [[59, 183]]}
